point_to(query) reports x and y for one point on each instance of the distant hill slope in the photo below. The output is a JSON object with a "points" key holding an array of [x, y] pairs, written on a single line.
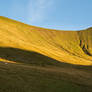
{"points": [[73, 47]]}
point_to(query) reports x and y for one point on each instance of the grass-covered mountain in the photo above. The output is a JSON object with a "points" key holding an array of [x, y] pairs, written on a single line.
{"points": [[34, 59]]}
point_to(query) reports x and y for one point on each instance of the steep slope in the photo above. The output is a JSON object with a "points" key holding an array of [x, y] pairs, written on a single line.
{"points": [[65, 46]]}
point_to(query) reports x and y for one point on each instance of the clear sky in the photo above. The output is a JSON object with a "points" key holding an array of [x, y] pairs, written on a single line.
{"points": [[54, 14]]}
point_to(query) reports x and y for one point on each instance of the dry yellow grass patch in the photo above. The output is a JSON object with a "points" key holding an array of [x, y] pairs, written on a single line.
{"points": [[6, 61]]}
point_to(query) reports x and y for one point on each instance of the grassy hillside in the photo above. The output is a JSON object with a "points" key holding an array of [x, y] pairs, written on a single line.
{"points": [[66, 46], [34, 59]]}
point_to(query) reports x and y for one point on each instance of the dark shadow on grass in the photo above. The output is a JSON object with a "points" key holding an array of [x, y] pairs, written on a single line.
{"points": [[30, 57]]}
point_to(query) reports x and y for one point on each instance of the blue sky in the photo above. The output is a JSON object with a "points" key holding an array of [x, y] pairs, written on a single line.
{"points": [[54, 14]]}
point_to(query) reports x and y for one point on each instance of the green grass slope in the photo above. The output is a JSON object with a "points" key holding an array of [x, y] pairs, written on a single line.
{"points": [[34, 59]]}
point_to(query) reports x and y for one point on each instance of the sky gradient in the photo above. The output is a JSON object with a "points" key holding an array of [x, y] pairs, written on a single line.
{"points": [[53, 14]]}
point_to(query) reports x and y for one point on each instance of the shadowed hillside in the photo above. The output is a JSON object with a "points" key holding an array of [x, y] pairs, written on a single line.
{"points": [[46, 72], [34, 59]]}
